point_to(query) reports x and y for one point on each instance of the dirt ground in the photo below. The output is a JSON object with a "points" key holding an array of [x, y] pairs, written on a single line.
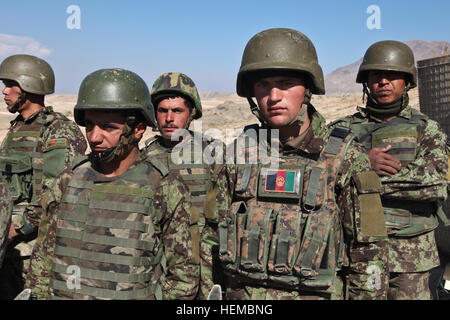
{"points": [[224, 114]]}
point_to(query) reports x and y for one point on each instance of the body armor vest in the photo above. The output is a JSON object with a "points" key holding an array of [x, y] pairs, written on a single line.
{"points": [[106, 234], [189, 162], [24, 161], [284, 229], [403, 218]]}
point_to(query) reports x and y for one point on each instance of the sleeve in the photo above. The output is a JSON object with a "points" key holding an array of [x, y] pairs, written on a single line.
{"points": [[172, 204], [5, 219], [38, 276], [424, 178], [359, 201], [62, 142]]}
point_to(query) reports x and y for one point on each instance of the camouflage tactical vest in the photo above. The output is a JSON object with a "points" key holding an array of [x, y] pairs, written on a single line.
{"points": [[284, 229], [403, 218], [106, 236], [22, 165], [195, 172]]}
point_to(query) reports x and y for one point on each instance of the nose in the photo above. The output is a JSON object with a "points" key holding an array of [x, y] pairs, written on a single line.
{"points": [[169, 116], [95, 135], [274, 94]]}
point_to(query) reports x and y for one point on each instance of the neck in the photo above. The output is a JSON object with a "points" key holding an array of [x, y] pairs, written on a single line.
{"points": [[292, 131], [119, 165], [29, 108]]}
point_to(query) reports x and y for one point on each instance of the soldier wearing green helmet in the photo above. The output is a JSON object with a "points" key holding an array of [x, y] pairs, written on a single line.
{"points": [[177, 103], [39, 145], [407, 151], [310, 227], [119, 218]]}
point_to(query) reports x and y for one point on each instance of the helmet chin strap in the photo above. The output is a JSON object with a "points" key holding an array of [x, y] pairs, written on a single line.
{"points": [[386, 109], [126, 138], [19, 102]]}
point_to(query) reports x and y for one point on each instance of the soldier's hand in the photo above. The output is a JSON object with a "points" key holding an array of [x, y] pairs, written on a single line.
{"points": [[383, 163], [12, 232]]}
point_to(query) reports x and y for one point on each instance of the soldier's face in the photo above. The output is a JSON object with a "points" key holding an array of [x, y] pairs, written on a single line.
{"points": [[172, 114], [279, 99], [386, 86], [103, 129], [12, 92]]}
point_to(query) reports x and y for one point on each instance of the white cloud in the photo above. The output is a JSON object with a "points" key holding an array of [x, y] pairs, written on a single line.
{"points": [[10, 44]]}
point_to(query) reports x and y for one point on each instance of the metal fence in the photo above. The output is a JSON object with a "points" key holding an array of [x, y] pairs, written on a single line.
{"points": [[434, 93]]}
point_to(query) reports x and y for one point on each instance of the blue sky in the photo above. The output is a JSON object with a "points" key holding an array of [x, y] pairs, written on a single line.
{"points": [[204, 39]]}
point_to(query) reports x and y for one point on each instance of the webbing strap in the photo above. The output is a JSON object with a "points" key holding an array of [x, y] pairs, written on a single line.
{"points": [[118, 206], [105, 240], [281, 259], [409, 220], [245, 178], [124, 190], [73, 199], [81, 184], [313, 188], [100, 256], [223, 237], [23, 134], [104, 293], [253, 245], [337, 136], [106, 275]]}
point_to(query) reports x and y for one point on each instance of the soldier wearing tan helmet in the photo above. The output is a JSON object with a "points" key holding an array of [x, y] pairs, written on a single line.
{"points": [[39, 145], [312, 226], [122, 218], [177, 102], [407, 151]]}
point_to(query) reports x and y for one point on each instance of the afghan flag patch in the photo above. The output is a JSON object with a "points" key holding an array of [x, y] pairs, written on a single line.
{"points": [[55, 144], [282, 181]]}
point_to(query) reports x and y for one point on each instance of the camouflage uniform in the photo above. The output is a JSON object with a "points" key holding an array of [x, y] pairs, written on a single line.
{"points": [[411, 195], [5, 219], [52, 141], [198, 174], [309, 226], [128, 235], [412, 190]]}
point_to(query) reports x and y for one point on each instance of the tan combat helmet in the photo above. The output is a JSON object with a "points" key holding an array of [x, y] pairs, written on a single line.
{"points": [[33, 74]]}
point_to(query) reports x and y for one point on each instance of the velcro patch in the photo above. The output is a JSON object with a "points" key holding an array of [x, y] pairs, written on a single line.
{"points": [[58, 143], [282, 181]]}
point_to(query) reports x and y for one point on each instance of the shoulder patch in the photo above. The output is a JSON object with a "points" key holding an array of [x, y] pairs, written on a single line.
{"points": [[58, 143]]}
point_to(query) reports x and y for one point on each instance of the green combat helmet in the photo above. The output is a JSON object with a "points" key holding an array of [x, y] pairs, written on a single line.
{"points": [[388, 55], [275, 50], [178, 83], [117, 90], [33, 74]]}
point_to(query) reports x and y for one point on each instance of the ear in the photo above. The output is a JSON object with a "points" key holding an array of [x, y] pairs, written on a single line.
{"points": [[139, 130]]}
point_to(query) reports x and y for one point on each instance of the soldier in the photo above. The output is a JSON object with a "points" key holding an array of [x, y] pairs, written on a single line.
{"points": [[177, 103], [119, 220], [39, 145], [312, 226], [5, 219], [407, 150]]}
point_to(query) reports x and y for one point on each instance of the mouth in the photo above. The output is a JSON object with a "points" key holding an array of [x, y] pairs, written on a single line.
{"points": [[384, 92], [275, 109]]}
